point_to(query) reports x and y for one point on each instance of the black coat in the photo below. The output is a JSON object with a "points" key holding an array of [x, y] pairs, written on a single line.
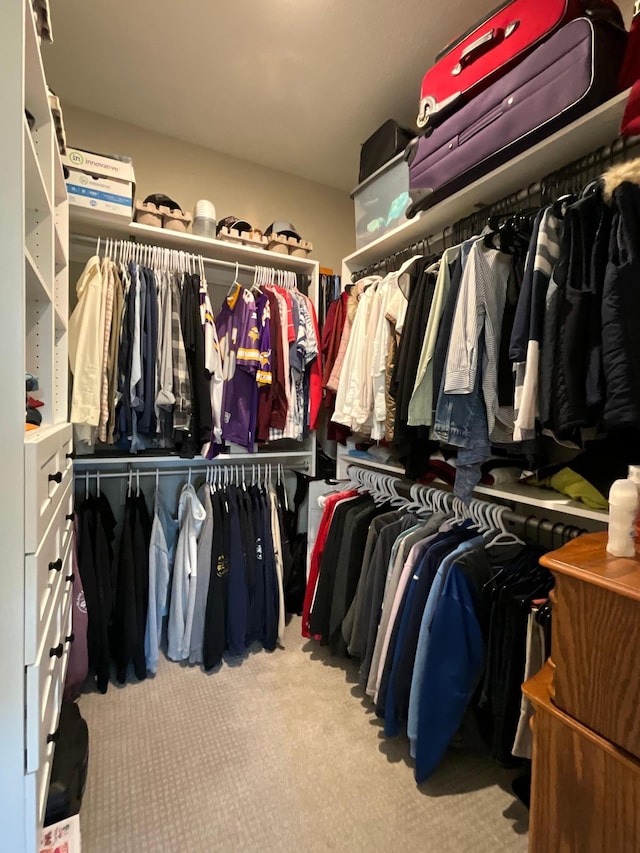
{"points": [[96, 525], [621, 312]]}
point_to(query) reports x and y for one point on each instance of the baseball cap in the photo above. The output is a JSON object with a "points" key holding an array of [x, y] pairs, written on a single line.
{"points": [[233, 222], [282, 227], [161, 200]]}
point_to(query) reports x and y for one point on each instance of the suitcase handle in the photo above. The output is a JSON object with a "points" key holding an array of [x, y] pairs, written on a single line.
{"points": [[483, 44]]}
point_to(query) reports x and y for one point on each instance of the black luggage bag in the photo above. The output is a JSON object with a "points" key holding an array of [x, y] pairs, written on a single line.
{"points": [[70, 764], [389, 140]]}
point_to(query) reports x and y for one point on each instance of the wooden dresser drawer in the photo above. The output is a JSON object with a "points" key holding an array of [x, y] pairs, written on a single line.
{"points": [[47, 574], [585, 791], [596, 639], [48, 471], [45, 683]]}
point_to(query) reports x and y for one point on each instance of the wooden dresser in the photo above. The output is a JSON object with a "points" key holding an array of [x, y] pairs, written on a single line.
{"points": [[585, 794]]}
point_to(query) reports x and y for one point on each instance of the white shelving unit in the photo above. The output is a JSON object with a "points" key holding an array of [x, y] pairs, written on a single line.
{"points": [[597, 128], [94, 224], [593, 130], [35, 604]]}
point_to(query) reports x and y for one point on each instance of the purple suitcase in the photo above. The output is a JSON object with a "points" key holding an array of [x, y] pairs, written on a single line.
{"points": [[571, 73]]}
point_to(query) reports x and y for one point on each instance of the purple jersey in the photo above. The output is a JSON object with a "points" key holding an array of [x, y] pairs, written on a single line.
{"points": [[239, 337]]}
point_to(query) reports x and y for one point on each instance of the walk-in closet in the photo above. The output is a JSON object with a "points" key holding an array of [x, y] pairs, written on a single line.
{"points": [[321, 426]]}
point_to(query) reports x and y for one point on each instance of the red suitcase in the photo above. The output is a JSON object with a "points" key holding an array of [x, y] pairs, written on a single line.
{"points": [[492, 47]]}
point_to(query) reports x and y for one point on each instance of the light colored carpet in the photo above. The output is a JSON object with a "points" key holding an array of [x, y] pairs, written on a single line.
{"points": [[278, 754]]}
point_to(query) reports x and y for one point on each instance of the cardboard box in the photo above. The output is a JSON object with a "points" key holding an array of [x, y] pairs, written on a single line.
{"points": [[99, 164], [99, 182], [100, 193]]}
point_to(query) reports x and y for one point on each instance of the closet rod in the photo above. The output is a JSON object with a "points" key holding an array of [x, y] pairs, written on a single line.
{"points": [[527, 525], [178, 472], [91, 241], [523, 522]]}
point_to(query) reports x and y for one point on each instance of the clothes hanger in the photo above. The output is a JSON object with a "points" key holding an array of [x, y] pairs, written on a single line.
{"points": [[414, 504], [130, 482], [86, 486], [504, 536], [98, 483]]}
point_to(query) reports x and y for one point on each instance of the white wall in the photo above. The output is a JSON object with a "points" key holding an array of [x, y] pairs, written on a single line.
{"points": [[188, 172]]}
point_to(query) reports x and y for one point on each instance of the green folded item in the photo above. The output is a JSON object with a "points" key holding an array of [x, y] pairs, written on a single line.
{"points": [[568, 483]]}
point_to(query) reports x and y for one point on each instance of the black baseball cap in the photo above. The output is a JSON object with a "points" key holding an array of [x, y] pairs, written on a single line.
{"points": [[161, 200], [235, 223]]}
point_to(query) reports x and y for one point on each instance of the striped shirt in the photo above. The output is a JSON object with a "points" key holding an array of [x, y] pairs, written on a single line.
{"points": [[181, 382], [547, 252]]}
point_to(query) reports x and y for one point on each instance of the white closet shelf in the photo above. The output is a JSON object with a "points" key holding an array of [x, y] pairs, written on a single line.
{"points": [[593, 130], [95, 224], [373, 464], [35, 86], [36, 435], [36, 287], [536, 496], [37, 196]]}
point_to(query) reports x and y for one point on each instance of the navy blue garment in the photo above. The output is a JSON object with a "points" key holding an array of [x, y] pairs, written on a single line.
{"points": [[399, 687], [519, 341], [237, 598], [141, 540], [256, 621], [138, 399], [452, 670], [386, 696], [215, 625], [125, 355], [245, 511], [271, 598], [147, 424]]}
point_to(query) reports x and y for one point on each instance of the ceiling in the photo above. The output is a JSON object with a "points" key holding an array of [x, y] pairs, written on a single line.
{"points": [[296, 85]]}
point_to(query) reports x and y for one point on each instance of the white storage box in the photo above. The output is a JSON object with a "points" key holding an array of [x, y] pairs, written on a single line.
{"points": [[99, 182], [381, 201]]}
